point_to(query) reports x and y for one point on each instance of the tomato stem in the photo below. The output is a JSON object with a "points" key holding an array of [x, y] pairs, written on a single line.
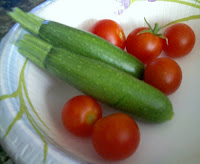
{"points": [[154, 30], [91, 118], [148, 25]]}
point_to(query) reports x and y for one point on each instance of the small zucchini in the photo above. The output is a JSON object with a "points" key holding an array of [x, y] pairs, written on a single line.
{"points": [[80, 42], [99, 80]]}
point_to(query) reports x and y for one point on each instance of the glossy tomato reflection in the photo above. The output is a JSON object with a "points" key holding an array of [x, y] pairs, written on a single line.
{"points": [[110, 31], [79, 115], [116, 136], [145, 46], [164, 74], [181, 40]]}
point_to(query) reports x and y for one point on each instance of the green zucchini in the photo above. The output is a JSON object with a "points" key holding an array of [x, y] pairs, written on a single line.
{"points": [[99, 80], [80, 42]]}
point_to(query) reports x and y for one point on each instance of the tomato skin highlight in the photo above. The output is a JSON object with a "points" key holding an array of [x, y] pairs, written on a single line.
{"points": [[116, 137], [79, 115], [181, 40], [110, 31], [144, 46], [164, 74]]}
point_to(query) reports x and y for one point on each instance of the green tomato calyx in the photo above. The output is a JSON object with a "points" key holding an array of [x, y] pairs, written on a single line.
{"points": [[154, 30]]}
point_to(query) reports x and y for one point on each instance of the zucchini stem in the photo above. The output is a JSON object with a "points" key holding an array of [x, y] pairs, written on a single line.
{"points": [[34, 49], [29, 21]]}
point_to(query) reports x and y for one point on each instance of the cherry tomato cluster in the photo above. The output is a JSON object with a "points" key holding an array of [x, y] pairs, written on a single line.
{"points": [[146, 44], [117, 136], [114, 137]]}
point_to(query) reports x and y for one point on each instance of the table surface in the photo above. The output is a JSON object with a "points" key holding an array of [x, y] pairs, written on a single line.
{"points": [[5, 25]]}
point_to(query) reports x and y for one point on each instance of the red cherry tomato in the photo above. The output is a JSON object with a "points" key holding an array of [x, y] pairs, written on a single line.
{"points": [[181, 40], [115, 137], [144, 46], [110, 31], [80, 114], [164, 74]]}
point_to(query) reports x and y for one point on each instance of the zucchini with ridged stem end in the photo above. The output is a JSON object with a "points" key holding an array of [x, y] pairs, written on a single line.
{"points": [[80, 42], [99, 80]]}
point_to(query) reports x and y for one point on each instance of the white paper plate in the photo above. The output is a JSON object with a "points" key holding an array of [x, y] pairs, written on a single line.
{"points": [[41, 96]]}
